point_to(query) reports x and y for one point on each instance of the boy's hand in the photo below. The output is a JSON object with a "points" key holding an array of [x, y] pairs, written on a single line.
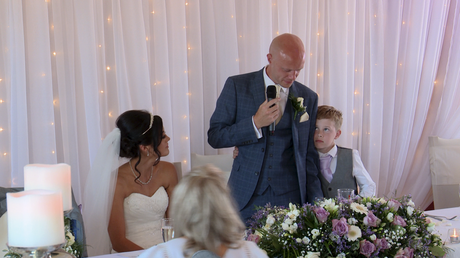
{"points": [[235, 152]]}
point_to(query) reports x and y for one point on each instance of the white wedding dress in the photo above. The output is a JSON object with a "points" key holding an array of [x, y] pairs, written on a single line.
{"points": [[143, 216]]}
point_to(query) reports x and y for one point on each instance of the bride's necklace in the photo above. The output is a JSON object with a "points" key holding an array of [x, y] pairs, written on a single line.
{"points": [[138, 179]]}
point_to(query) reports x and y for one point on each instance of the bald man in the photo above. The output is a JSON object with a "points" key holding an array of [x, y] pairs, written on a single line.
{"points": [[281, 168]]}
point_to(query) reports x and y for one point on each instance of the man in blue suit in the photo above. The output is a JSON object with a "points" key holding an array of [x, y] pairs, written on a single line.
{"points": [[279, 168]]}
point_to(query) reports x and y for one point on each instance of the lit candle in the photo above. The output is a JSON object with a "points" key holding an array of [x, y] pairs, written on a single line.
{"points": [[35, 218], [454, 236], [50, 177]]}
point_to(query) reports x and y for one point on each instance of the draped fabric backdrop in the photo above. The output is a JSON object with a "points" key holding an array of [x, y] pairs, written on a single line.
{"points": [[69, 68]]}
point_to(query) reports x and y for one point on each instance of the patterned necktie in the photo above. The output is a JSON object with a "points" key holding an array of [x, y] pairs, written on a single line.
{"points": [[282, 95], [325, 164]]}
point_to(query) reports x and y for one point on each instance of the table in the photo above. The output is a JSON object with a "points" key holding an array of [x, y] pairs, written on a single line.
{"points": [[132, 254], [444, 225], [441, 229]]}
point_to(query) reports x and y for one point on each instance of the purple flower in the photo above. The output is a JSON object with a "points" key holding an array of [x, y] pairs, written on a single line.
{"points": [[406, 253], [366, 248], [381, 243], [321, 214], [371, 220], [394, 204], [340, 227], [254, 238], [399, 221]]}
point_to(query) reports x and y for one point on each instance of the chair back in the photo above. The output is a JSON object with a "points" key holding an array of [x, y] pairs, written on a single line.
{"points": [[222, 161], [3, 233], [178, 167], [445, 171]]}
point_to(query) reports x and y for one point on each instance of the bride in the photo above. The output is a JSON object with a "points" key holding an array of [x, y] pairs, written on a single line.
{"points": [[123, 206]]}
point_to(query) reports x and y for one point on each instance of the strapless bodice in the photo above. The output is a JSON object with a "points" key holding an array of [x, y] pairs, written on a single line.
{"points": [[143, 216]]}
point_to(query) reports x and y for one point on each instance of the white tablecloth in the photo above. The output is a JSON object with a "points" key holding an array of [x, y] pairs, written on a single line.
{"points": [[441, 229], [132, 254], [444, 225]]}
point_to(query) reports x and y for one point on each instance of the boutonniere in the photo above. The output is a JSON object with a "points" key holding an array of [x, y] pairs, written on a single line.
{"points": [[297, 104]]}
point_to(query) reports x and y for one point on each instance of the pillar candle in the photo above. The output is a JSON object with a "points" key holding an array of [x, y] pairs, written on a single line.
{"points": [[50, 177], [35, 218]]}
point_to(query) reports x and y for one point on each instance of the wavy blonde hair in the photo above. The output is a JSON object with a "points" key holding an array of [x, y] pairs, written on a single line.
{"points": [[204, 212]]}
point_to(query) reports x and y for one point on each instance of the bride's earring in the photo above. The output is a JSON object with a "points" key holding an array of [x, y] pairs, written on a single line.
{"points": [[148, 153]]}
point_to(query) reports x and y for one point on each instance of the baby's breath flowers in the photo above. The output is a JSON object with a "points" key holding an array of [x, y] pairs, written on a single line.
{"points": [[362, 227]]}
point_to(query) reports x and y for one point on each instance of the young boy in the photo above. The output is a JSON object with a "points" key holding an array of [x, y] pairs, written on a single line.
{"points": [[340, 167]]}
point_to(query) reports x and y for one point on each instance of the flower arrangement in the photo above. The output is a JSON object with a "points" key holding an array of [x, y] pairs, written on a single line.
{"points": [[359, 227], [71, 246]]}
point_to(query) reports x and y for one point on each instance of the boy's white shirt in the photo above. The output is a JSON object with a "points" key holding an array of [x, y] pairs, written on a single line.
{"points": [[366, 184]]}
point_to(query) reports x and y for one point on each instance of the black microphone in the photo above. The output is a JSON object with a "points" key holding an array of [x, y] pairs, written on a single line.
{"points": [[271, 94]]}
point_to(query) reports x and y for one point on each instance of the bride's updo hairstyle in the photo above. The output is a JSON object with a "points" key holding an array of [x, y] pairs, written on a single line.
{"points": [[204, 211], [135, 130]]}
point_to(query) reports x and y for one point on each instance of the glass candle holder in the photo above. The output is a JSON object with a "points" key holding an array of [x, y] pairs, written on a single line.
{"points": [[345, 193], [453, 235]]}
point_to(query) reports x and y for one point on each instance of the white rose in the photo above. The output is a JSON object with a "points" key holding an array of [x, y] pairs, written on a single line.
{"points": [[270, 219], [390, 217], [300, 100], [313, 255], [431, 227], [285, 226], [410, 210], [306, 240], [411, 203]]}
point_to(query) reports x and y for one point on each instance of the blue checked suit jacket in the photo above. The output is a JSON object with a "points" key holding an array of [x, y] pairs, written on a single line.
{"points": [[231, 125]]}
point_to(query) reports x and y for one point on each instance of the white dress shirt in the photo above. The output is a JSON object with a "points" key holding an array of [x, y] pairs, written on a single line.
{"points": [[283, 99], [366, 184]]}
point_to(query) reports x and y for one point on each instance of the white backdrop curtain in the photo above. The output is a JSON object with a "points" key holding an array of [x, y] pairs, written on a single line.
{"points": [[69, 68]]}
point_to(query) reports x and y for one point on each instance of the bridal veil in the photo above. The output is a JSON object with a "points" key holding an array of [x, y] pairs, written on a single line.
{"points": [[98, 194]]}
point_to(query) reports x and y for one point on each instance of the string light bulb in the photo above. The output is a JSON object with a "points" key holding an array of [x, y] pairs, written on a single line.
{"points": [[108, 68], [54, 53]]}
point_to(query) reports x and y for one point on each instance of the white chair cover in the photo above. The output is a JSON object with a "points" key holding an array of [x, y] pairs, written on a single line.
{"points": [[445, 171], [222, 161], [3, 233]]}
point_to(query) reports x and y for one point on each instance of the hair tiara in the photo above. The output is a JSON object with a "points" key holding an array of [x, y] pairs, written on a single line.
{"points": [[150, 126]]}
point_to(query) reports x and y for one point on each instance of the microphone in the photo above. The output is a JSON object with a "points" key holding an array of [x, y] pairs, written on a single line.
{"points": [[271, 94]]}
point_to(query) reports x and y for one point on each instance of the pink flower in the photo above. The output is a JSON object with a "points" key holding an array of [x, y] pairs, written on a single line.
{"points": [[399, 221], [254, 238], [406, 253], [321, 214], [366, 248], [381, 243], [371, 220], [394, 204], [340, 226]]}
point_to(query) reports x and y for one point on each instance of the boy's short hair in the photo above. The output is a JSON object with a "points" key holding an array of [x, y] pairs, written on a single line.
{"points": [[329, 112]]}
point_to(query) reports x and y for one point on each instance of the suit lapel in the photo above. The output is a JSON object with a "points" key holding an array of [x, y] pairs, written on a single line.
{"points": [[258, 92]]}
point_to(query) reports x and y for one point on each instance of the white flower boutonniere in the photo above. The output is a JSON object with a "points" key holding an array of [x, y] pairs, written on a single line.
{"points": [[297, 104]]}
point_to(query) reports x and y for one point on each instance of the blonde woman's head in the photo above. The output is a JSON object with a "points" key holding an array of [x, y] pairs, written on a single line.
{"points": [[204, 211]]}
